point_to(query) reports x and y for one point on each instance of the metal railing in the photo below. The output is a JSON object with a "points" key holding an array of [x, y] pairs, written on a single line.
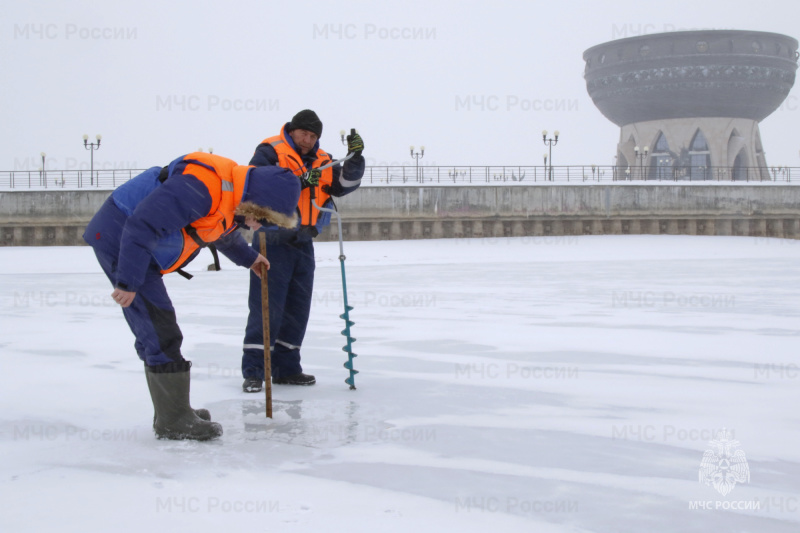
{"points": [[443, 175], [66, 179], [499, 175]]}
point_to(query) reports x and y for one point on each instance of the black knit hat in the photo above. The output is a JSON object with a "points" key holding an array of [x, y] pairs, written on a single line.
{"points": [[306, 120]]}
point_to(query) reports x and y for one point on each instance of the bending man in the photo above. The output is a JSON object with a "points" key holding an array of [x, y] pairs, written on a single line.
{"points": [[157, 223]]}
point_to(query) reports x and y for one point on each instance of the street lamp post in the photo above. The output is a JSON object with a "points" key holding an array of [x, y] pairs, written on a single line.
{"points": [[550, 143], [641, 156], [544, 156], [92, 147], [44, 174], [417, 157]]}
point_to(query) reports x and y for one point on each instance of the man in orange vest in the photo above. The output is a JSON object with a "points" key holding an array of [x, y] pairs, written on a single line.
{"points": [[291, 251], [156, 223]]}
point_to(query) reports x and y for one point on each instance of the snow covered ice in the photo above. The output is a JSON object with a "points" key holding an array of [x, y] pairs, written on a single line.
{"points": [[523, 384]]}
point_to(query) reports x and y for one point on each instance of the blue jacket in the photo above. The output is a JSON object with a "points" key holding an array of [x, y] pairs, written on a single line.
{"points": [[149, 216]]}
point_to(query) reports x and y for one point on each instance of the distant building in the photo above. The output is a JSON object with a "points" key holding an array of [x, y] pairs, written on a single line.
{"points": [[691, 101]]}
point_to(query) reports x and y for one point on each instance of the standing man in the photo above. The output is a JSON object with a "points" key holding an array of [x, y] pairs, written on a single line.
{"points": [[291, 251], [155, 224]]}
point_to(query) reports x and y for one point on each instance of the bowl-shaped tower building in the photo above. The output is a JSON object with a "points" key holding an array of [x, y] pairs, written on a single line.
{"points": [[688, 103]]}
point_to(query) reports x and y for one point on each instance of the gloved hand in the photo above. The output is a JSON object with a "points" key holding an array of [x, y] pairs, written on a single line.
{"points": [[355, 143], [310, 178]]}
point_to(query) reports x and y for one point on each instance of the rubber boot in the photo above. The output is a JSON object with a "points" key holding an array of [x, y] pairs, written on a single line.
{"points": [[175, 418], [202, 413]]}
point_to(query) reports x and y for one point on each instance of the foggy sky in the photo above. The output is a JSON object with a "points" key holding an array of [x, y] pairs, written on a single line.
{"points": [[474, 82]]}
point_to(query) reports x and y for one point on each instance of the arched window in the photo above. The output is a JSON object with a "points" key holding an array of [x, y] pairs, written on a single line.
{"points": [[740, 166], [661, 160], [661, 144], [699, 157]]}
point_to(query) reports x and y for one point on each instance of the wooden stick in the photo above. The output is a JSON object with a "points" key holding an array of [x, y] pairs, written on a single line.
{"points": [[265, 324]]}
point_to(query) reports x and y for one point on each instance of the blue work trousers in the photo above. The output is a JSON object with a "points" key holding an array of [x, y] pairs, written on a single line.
{"points": [[151, 316], [290, 286]]}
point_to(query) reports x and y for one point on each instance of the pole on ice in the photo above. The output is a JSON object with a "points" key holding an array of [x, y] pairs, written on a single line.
{"points": [[265, 326], [347, 308]]}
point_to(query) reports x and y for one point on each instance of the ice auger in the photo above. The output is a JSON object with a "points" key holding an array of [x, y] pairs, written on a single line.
{"points": [[347, 308]]}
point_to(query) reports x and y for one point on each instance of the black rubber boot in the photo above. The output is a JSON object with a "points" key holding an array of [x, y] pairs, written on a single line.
{"points": [[296, 379], [202, 413], [175, 418]]}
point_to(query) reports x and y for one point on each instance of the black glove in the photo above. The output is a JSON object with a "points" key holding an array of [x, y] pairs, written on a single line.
{"points": [[355, 144], [310, 178]]}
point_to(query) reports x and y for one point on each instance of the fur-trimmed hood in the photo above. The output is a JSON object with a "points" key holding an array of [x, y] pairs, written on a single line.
{"points": [[265, 214], [271, 195]]}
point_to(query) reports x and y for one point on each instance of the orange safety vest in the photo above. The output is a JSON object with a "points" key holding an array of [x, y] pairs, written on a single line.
{"points": [[225, 180], [289, 159]]}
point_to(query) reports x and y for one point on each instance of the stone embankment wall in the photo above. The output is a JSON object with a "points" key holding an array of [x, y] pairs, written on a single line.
{"points": [[42, 218]]}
